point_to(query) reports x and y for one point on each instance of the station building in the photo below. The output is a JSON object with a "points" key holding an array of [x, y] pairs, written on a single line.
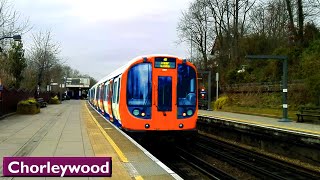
{"points": [[76, 88]]}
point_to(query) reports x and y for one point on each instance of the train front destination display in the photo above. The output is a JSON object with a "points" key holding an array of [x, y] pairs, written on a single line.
{"points": [[164, 62]]}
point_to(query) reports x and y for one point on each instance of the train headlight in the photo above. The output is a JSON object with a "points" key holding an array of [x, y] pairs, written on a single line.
{"points": [[136, 112], [147, 126], [180, 125], [143, 114], [184, 114], [189, 112]]}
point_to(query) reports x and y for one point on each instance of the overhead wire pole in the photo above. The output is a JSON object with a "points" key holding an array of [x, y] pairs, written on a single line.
{"points": [[284, 60], [217, 86]]}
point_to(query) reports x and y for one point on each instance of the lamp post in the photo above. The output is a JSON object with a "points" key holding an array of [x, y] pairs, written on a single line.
{"points": [[65, 85], [15, 38], [63, 88], [284, 60], [60, 91]]}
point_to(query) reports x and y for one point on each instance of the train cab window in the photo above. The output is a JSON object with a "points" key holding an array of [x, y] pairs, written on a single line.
{"points": [[139, 86], [186, 91]]}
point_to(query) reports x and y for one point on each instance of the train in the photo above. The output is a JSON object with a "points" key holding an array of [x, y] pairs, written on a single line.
{"points": [[156, 92]]}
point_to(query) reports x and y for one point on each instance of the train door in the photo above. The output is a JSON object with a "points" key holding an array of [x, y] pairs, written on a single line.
{"points": [[110, 100], [164, 78], [101, 98], [105, 98], [97, 97]]}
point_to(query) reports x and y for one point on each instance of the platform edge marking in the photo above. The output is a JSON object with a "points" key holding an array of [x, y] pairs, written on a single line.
{"points": [[113, 144], [138, 178], [174, 175]]}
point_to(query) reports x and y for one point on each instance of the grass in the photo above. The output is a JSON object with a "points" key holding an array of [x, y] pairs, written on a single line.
{"points": [[268, 112]]}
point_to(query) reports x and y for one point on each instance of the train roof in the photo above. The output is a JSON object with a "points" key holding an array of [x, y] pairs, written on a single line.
{"points": [[124, 67]]}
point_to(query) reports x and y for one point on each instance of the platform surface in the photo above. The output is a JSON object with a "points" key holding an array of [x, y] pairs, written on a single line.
{"points": [[72, 129], [313, 129]]}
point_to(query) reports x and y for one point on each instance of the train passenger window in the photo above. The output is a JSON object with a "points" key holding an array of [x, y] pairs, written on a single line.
{"points": [[92, 95], [101, 92], [98, 93], [115, 92], [118, 94], [105, 93], [186, 89], [139, 86], [110, 92]]}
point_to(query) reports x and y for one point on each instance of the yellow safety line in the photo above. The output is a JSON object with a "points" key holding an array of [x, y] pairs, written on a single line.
{"points": [[274, 126], [113, 144], [138, 178]]}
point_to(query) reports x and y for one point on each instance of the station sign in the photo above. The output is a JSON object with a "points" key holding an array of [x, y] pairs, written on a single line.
{"points": [[164, 62]]}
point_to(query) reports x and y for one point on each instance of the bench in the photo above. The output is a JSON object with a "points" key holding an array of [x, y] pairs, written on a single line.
{"points": [[42, 102], [309, 112]]}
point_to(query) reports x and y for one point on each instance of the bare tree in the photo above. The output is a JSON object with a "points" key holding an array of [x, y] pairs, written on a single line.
{"points": [[10, 21], [221, 25], [270, 20], [195, 27], [304, 9], [44, 56], [300, 20], [229, 21]]}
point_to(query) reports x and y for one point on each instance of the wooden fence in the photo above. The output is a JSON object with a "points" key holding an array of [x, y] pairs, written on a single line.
{"points": [[9, 98]]}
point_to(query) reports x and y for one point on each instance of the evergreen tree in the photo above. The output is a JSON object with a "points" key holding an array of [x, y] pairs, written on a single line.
{"points": [[17, 62]]}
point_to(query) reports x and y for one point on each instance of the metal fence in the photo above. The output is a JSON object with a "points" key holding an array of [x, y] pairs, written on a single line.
{"points": [[9, 98]]}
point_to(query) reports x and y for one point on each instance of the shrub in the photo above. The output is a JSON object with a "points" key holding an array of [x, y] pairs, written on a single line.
{"points": [[29, 106], [54, 100], [218, 104]]}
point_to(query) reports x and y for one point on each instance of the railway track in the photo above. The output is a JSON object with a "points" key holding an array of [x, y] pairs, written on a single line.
{"points": [[182, 162], [198, 164], [260, 166]]}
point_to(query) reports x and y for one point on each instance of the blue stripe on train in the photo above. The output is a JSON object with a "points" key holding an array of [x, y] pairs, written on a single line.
{"points": [[107, 116]]}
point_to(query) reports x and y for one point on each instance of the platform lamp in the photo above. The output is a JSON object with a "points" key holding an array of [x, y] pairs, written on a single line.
{"points": [[15, 38], [284, 60], [65, 85]]}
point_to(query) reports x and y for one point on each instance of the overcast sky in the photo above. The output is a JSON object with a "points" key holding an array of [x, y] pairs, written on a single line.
{"points": [[98, 36]]}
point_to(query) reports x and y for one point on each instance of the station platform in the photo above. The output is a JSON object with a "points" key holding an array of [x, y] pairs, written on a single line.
{"points": [[74, 129], [267, 122], [297, 142]]}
